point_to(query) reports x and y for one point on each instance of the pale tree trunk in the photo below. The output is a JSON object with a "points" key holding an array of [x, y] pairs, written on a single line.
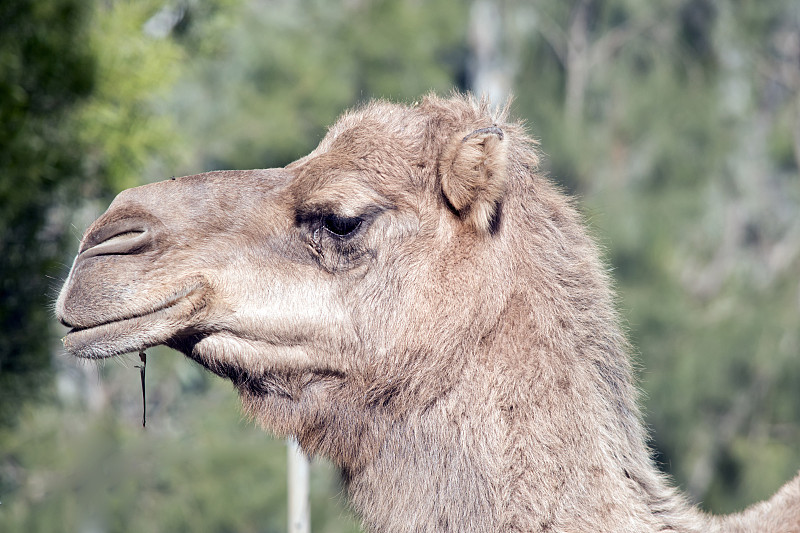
{"points": [[577, 64], [299, 506], [490, 72], [498, 32]]}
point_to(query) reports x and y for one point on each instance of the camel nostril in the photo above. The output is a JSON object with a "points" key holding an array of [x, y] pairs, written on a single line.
{"points": [[127, 236]]}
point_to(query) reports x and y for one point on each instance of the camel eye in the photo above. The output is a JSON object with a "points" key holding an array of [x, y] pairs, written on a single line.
{"points": [[341, 226]]}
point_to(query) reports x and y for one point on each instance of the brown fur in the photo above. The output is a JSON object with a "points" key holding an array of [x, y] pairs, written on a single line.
{"points": [[457, 355]]}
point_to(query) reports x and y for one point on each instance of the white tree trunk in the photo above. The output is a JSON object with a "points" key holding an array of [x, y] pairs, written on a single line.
{"points": [[489, 70], [299, 507]]}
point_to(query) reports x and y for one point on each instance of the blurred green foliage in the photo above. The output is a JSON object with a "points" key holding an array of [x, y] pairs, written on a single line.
{"points": [[43, 75], [119, 126], [677, 124], [199, 467], [674, 156], [286, 70], [74, 95]]}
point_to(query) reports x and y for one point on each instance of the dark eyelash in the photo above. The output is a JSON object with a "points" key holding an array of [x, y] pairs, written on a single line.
{"points": [[341, 226]]}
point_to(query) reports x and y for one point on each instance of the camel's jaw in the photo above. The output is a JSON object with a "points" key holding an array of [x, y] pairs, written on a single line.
{"points": [[136, 330]]}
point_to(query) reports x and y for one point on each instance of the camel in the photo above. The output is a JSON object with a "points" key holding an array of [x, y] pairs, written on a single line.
{"points": [[413, 300]]}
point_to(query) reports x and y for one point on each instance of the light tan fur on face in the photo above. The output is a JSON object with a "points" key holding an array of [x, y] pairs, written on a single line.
{"points": [[416, 302]]}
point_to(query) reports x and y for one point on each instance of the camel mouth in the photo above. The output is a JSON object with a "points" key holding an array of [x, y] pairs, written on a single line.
{"points": [[138, 331], [166, 303]]}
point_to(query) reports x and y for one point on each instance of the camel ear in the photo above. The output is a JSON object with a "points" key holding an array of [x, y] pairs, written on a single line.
{"points": [[473, 175]]}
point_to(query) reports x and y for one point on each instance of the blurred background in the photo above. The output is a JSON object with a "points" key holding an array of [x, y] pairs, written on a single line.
{"points": [[675, 123]]}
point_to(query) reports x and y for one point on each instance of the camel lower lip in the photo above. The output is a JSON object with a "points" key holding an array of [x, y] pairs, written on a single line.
{"points": [[137, 332]]}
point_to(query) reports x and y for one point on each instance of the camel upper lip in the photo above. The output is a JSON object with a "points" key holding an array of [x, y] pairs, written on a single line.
{"points": [[165, 304]]}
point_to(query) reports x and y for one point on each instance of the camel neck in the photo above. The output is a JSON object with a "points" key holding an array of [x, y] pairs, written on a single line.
{"points": [[478, 460]]}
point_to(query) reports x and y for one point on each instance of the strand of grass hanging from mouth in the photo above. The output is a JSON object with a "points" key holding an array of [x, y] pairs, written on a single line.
{"points": [[143, 358]]}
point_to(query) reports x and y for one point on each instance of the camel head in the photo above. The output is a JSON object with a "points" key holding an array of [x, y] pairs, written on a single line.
{"points": [[353, 261]]}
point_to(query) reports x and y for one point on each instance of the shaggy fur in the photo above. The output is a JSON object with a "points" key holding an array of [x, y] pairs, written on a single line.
{"points": [[414, 301]]}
